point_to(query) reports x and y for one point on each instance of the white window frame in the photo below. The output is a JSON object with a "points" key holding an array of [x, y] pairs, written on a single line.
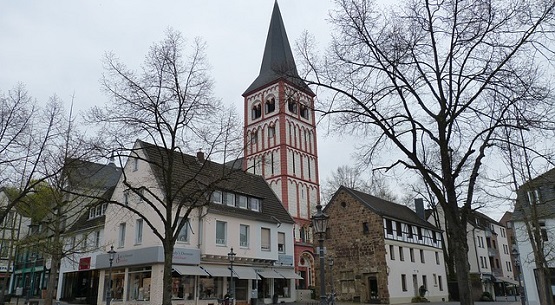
{"points": [[183, 235], [139, 231], [121, 235], [265, 245], [244, 236], [221, 240], [281, 242]]}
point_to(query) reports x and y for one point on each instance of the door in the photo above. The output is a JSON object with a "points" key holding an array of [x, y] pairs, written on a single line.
{"points": [[373, 290]]}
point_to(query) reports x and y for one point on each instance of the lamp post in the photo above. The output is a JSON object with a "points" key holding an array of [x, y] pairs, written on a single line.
{"points": [[231, 257], [319, 226], [111, 254], [332, 287], [32, 278], [516, 256]]}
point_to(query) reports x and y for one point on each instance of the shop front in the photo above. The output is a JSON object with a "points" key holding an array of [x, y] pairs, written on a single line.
{"points": [[137, 279]]}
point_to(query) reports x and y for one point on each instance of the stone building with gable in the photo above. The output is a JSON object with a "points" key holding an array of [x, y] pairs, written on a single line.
{"points": [[383, 252]]}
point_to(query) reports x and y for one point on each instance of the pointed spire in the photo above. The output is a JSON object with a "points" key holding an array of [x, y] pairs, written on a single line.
{"points": [[278, 61]]}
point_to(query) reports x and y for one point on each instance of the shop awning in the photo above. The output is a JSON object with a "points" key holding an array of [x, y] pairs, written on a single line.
{"points": [[289, 274], [217, 271], [189, 270], [269, 274], [245, 273]]}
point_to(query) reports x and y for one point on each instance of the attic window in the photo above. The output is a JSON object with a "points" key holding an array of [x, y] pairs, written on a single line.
{"points": [[216, 197], [254, 204]]}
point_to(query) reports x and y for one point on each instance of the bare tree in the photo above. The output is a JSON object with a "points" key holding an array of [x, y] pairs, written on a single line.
{"points": [[352, 177], [170, 104], [435, 82], [533, 206]]}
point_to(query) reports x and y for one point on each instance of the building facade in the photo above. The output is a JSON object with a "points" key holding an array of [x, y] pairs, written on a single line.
{"points": [[489, 256], [280, 139], [243, 215], [383, 252], [534, 220]]}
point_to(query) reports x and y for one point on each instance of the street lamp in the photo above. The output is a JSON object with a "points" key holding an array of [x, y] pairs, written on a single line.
{"points": [[111, 254], [330, 262], [516, 256], [319, 226], [32, 279], [231, 257]]}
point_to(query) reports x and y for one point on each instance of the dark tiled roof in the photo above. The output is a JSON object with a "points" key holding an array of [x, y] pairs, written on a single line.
{"points": [[194, 179], [86, 174], [388, 209], [545, 184], [278, 61]]}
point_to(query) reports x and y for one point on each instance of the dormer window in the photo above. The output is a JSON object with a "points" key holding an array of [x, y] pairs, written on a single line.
{"points": [[270, 105], [292, 105], [256, 111], [216, 197], [254, 204], [229, 199]]}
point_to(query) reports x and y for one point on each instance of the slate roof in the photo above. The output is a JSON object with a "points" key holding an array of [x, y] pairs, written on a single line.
{"points": [[277, 61], [545, 183], [193, 176], [86, 174], [387, 209]]}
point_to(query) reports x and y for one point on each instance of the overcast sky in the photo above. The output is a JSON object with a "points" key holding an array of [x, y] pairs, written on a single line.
{"points": [[57, 47]]}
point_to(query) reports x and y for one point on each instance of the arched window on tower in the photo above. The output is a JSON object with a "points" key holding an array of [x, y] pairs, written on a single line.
{"points": [[304, 111], [256, 111], [270, 105], [292, 105]]}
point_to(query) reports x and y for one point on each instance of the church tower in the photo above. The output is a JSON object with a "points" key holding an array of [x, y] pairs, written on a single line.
{"points": [[280, 138]]}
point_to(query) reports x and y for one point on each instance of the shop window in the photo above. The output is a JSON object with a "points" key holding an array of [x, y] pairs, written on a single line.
{"points": [[210, 288], [270, 105], [139, 284], [116, 285], [281, 287], [183, 287], [256, 111]]}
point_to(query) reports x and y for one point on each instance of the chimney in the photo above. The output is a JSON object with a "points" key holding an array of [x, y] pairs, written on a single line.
{"points": [[419, 207], [200, 156]]}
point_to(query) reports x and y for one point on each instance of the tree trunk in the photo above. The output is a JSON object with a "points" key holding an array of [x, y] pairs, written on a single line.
{"points": [[167, 278], [52, 280], [456, 230]]}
